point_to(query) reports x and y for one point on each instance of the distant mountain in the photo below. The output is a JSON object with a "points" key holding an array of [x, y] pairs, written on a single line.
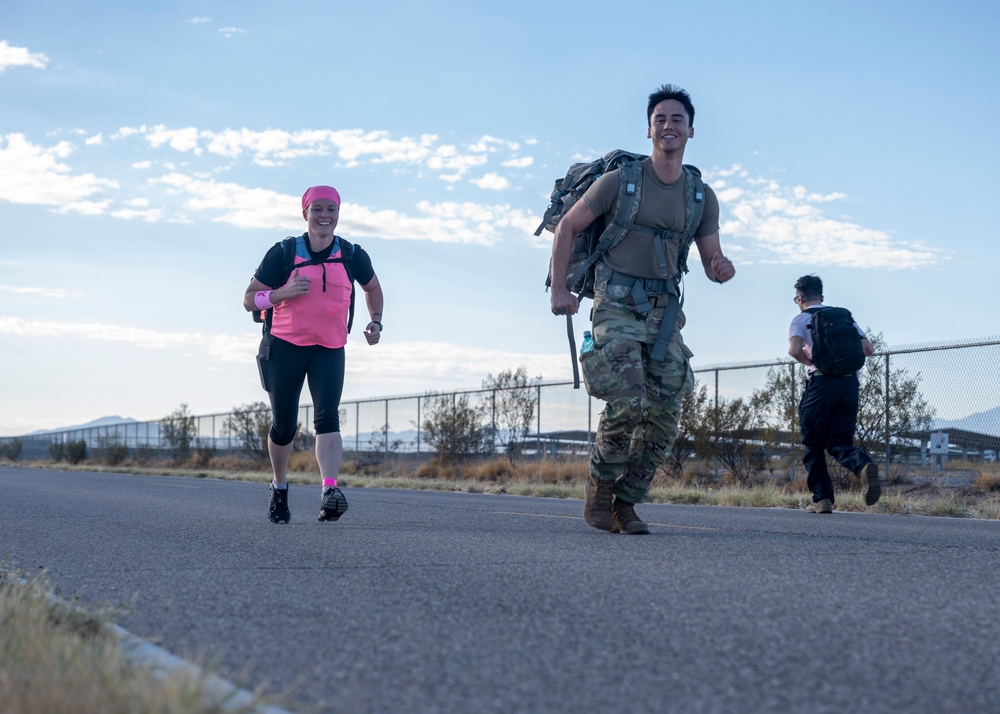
{"points": [[103, 421], [365, 439], [987, 422]]}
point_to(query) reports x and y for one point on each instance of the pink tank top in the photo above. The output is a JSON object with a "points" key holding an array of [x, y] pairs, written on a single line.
{"points": [[320, 316]]}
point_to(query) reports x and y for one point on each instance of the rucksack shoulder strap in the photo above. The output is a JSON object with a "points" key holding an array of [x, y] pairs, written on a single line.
{"points": [[626, 210], [289, 247], [694, 209]]}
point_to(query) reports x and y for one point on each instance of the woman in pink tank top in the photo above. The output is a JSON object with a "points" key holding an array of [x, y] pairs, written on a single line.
{"points": [[309, 312]]}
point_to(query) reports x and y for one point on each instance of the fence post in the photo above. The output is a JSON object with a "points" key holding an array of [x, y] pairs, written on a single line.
{"points": [[493, 437], [418, 425], [887, 416], [715, 451], [386, 427], [538, 423]]}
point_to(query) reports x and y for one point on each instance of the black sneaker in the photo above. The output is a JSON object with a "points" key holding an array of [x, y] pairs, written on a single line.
{"points": [[332, 505], [277, 509], [873, 489]]}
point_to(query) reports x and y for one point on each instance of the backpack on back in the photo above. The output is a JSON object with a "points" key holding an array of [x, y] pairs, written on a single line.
{"points": [[593, 242], [567, 191], [296, 244], [836, 349]]}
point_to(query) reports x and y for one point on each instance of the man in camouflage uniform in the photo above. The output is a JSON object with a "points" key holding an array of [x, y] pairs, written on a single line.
{"points": [[639, 423]]}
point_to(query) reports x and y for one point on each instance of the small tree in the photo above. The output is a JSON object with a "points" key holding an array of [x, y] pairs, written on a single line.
{"points": [[249, 425], [112, 445], [379, 447], [513, 408], [58, 450], [76, 451], [693, 415], [453, 427], [730, 432], [204, 450], [11, 449], [179, 431]]}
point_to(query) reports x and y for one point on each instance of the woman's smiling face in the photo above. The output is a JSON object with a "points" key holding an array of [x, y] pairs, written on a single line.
{"points": [[322, 216]]}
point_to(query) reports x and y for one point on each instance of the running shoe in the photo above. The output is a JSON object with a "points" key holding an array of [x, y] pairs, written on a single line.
{"points": [[332, 505], [277, 509]]}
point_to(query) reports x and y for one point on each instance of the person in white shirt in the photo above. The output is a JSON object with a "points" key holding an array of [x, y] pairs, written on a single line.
{"points": [[828, 412]]}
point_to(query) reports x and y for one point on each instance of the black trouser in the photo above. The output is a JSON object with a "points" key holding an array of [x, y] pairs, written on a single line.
{"points": [[287, 368], [828, 415]]}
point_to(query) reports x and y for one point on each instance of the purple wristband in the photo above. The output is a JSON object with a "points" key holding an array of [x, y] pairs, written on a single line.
{"points": [[263, 300]]}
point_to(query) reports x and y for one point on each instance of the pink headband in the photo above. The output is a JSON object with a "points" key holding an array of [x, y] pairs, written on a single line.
{"points": [[316, 192]]}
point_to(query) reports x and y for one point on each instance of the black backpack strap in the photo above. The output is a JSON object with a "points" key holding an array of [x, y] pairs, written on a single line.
{"points": [[287, 261], [347, 257]]}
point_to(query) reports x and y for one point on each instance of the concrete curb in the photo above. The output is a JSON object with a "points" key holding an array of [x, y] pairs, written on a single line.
{"points": [[141, 653]]}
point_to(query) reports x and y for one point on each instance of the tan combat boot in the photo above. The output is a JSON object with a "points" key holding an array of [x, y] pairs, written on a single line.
{"points": [[597, 507], [625, 520]]}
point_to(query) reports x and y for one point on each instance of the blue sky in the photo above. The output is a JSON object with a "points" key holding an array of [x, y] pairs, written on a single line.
{"points": [[149, 156]]}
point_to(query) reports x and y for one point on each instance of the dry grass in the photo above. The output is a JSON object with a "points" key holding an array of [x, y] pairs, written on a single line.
{"points": [[565, 478], [59, 659]]}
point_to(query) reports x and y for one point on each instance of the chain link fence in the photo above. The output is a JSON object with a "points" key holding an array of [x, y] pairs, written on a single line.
{"points": [[924, 407]]}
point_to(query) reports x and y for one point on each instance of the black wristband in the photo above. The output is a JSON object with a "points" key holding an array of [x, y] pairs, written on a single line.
{"points": [[376, 322]]}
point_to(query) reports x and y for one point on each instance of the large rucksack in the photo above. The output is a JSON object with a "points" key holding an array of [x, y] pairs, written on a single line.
{"points": [[592, 243], [295, 245], [836, 348]]}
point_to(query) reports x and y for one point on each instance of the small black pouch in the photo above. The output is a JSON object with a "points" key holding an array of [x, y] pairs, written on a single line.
{"points": [[264, 361]]}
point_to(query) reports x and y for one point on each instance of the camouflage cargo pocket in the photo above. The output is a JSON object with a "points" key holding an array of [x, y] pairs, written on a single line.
{"points": [[614, 370]]}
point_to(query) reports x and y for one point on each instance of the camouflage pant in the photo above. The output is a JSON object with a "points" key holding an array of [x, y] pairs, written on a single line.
{"points": [[638, 426]]}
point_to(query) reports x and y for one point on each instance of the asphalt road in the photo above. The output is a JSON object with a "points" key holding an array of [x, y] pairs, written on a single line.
{"points": [[449, 602]]}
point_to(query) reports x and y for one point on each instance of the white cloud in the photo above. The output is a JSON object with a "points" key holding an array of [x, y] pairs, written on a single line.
{"points": [[179, 139], [20, 57], [788, 225], [275, 147], [447, 222], [33, 174], [44, 292], [423, 363], [199, 20], [152, 215], [94, 140], [229, 32], [218, 346], [520, 162], [142, 165], [85, 208], [234, 204], [492, 182]]}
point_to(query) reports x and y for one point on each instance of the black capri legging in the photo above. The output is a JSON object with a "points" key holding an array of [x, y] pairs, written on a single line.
{"points": [[288, 366]]}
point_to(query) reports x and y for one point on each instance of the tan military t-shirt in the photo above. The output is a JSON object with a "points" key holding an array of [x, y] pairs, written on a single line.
{"points": [[661, 207]]}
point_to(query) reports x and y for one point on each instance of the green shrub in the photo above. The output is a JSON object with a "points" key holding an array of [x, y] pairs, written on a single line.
{"points": [[58, 450], [76, 451]]}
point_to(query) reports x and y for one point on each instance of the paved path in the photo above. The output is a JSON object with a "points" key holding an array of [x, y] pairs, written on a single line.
{"points": [[447, 602]]}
